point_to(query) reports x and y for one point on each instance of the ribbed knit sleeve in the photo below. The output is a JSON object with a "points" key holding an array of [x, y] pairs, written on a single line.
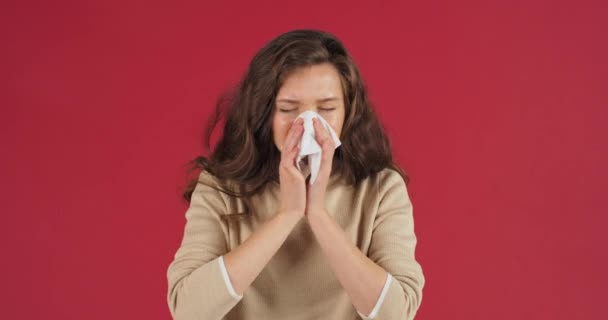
{"points": [[227, 280], [374, 312], [393, 247], [196, 282]]}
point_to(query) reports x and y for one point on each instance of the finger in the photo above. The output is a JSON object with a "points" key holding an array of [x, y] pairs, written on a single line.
{"points": [[289, 161], [288, 140], [321, 133], [292, 157], [327, 146], [293, 152], [291, 144], [294, 171], [294, 138], [289, 158]]}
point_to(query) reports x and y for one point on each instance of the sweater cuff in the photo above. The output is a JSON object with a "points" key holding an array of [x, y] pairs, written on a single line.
{"points": [[227, 280], [387, 284]]}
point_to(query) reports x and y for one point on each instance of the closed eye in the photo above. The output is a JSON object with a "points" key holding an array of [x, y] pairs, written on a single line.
{"points": [[322, 109]]}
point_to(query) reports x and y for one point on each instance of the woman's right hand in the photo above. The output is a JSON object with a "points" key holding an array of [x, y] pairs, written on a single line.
{"points": [[292, 182]]}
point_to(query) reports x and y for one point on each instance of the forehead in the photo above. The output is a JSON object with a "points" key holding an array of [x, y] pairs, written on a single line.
{"points": [[311, 82]]}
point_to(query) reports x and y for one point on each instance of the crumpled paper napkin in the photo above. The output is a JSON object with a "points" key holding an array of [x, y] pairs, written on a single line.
{"points": [[309, 147]]}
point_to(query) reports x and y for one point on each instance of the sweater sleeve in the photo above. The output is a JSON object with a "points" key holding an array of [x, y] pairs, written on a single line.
{"points": [[196, 280], [227, 280], [393, 247], [374, 312]]}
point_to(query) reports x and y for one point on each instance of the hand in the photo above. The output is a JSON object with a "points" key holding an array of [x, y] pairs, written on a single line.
{"points": [[292, 182], [315, 193]]}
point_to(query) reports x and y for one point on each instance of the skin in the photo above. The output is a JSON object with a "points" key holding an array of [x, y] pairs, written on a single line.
{"points": [[305, 89], [308, 88]]}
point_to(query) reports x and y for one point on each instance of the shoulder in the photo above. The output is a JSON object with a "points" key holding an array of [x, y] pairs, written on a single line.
{"points": [[210, 180], [208, 190], [389, 176], [390, 180], [380, 183]]}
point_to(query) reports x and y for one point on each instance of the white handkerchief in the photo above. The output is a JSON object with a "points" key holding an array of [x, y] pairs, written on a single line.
{"points": [[309, 146]]}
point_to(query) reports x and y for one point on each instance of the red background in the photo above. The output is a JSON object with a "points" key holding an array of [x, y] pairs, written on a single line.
{"points": [[497, 109]]}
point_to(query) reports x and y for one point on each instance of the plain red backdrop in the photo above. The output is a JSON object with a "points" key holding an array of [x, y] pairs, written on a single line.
{"points": [[497, 109]]}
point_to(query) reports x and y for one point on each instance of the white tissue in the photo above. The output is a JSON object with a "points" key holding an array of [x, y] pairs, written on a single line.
{"points": [[309, 147]]}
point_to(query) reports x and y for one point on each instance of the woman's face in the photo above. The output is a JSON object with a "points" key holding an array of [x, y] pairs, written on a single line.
{"points": [[316, 88]]}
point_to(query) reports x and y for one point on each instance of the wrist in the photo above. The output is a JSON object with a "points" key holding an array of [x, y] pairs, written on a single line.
{"points": [[316, 214], [292, 216]]}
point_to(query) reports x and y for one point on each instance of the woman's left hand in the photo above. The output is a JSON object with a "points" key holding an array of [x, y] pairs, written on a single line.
{"points": [[315, 193]]}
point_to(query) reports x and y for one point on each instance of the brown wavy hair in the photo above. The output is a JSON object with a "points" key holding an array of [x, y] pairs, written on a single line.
{"points": [[246, 154]]}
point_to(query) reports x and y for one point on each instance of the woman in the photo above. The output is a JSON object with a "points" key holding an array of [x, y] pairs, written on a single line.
{"points": [[260, 242]]}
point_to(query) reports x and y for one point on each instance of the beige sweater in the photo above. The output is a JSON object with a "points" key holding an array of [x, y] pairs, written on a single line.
{"points": [[297, 283]]}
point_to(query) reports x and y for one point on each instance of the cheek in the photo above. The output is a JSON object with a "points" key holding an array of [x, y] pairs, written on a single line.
{"points": [[336, 128], [336, 123]]}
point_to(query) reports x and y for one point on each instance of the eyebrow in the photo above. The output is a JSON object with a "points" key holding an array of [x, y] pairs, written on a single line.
{"points": [[297, 101]]}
